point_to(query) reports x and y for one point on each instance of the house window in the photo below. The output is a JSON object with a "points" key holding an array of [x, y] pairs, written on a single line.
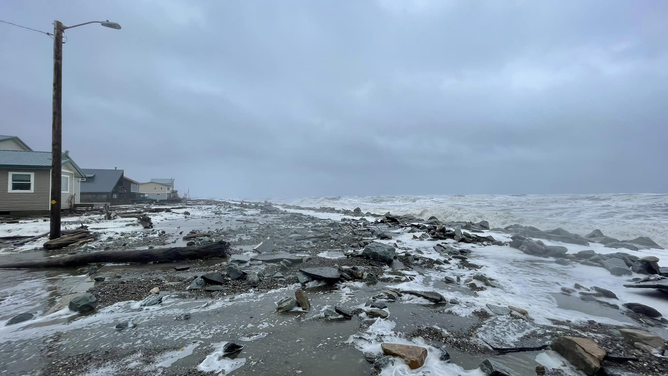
{"points": [[65, 184], [114, 195], [21, 182]]}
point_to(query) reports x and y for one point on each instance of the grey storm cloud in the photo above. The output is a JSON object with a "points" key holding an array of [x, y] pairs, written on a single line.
{"points": [[257, 99]]}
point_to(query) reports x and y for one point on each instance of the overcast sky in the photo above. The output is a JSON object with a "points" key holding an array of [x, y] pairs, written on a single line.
{"points": [[254, 99]]}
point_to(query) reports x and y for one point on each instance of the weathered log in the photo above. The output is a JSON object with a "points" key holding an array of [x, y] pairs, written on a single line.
{"points": [[69, 238], [219, 249], [146, 221], [197, 235]]}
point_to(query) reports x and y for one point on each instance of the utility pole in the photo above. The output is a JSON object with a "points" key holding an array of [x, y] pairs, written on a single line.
{"points": [[56, 129]]}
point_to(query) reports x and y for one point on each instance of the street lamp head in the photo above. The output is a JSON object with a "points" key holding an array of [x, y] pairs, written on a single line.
{"points": [[112, 25]]}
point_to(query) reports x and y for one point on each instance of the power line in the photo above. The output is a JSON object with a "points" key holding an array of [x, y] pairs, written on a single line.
{"points": [[29, 28]]}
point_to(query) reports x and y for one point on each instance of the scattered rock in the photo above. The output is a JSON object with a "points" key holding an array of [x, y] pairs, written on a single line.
{"points": [[605, 292], [540, 370], [324, 273], [344, 312], [214, 278], [580, 287], [99, 279], [647, 265], [585, 255], [556, 251], [234, 272], [20, 318], [633, 335], [155, 291], [151, 300], [214, 288], [643, 310], [519, 310], [84, 303], [429, 295], [375, 312], [253, 278], [616, 267], [567, 290], [379, 305], [391, 295], [498, 310], [122, 325], [181, 268], [278, 257], [303, 278], [383, 362], [582, 353], [491, 367], [231, 348], [449, 280], [286, 304], [197, 284], [379, 252], [278, 275], [413, 356], [302, 300]]}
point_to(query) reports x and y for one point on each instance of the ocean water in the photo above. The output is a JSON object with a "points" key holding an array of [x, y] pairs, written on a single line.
{"points": [[622, 216]]}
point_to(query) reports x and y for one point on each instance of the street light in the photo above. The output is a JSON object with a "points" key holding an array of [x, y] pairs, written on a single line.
{"points": [[56, 120]]}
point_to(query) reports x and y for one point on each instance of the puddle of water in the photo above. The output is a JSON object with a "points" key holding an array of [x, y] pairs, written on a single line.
{"points": [[594, 309]]}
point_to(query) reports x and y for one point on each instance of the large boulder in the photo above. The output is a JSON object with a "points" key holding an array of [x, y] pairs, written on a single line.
{"points": [[84, 303], [647, 265], [491, 367], [556, 251], [583, 353], [633, 336], [644, 242], [414, 356], [379, 252], [643, 310], [616, 267], [20, 318]]}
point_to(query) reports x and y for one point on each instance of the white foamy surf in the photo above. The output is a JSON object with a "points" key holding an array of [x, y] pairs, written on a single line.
{"points": [[623, 216]]}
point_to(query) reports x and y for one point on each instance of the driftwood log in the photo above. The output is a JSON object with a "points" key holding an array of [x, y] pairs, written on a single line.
{"points": [[219, 249], [146, 221], [69, 237]]}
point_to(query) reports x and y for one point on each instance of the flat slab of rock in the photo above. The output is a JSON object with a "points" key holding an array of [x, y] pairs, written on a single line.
{"points": [[240, 259], [498, 310], [265, 247], [214, 278], [323, 273], [375, 312], [413, 356], [583, 353], [633, 335], [616, 267], [151, 300], [181, 268], [234, 272], [429, 295], [343, 312], [278, 257], [643, 310], [605, 292]]}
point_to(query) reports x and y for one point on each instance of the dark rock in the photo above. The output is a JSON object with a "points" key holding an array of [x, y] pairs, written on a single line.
{"points": [[231, 348], [20, 318], [99, 279], [644, 242], [556, 251], [586, 254], [590, 298], [343, 312], [278, 275], [567, 290], [597, 259], [562, 261], [151, 300], [286, 304], [234, 272], [429, 295], [375, 312], [647, 265], [122, 325], [580, 287], [214, 288], [326, 274], [214, 278], [181, 268], [384, 236], [84, 303], [253, 278], [240, 259], [449, 280], [302, 300], [633, 336], [484, 225], [491, 367], [605, 292], [582, 353], [379, 305], [379, 252], [196, 284], [278, 257], [383, 362], [643, 309], [303, 278], [625, 245], [616, 267]]}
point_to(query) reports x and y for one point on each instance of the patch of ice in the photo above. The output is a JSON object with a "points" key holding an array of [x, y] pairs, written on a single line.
{"points": [[331, 255], [165, 360], [215, 362], [253, 337]]}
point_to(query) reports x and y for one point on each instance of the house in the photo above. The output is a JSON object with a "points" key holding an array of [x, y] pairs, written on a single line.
{"points": [[156, 191], [13, 143], [107, 186], [26, 174]]}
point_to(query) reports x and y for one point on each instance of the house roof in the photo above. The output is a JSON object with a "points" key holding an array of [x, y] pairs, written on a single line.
{"points": [[33, 159], [100, 180], [15, 138], [169, 182], [155, 182], [130, 180]]}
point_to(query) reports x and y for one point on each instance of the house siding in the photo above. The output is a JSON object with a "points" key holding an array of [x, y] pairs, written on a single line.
{"points": [[36, 201], [65, 197], [156, 191], [11, 145]]}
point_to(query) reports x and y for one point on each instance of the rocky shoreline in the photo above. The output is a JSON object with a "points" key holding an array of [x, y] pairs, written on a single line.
{"points": [[394, 292]]}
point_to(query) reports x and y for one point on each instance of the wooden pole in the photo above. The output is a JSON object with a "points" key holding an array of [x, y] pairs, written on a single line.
{"points": [[56, 130]]}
